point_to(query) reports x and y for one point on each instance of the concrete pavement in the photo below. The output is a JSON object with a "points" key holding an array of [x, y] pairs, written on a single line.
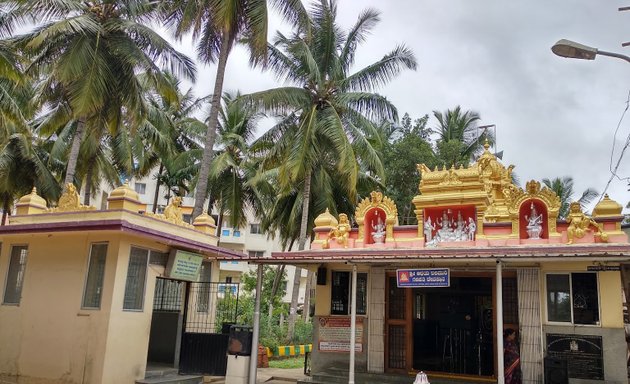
{"points": [[267, 376]]}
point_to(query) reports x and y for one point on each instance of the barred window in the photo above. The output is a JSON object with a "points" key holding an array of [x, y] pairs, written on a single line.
{"points": [[573, 298], [92, 292], [136, 278], [15, 277], [341, 290]]}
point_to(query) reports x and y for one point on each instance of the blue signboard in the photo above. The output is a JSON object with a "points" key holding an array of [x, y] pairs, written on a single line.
{"points": [[423, 277]]}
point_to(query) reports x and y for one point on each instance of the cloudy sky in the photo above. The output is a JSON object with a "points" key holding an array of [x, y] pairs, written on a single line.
{"points": [[554, 116]]}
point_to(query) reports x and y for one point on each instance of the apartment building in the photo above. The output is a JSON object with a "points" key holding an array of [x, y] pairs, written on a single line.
{"points": [[249, 239]]}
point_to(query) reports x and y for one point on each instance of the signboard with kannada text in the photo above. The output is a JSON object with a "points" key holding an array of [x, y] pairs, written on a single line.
{"points": [[184, 265], [334, 334], [423, 278]]}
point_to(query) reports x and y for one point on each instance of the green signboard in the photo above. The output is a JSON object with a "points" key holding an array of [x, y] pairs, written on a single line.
{"points": [[183, 265]]}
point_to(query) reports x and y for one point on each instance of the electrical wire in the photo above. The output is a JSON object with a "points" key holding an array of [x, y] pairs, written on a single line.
{"points": [[612, 152]]}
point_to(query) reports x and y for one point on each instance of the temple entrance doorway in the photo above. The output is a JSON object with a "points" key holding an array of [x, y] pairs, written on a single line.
{"points": [[453, 327], [449, 330]]}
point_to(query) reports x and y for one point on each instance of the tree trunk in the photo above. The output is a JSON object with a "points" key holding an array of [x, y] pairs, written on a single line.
{"points": [[157, 187], [219, 224], [211, 133], [295, 294], [73, 157], [274, 290], [307, 296], [88, 181], [306, 199], [5, 209], [276, 284], [301, 243]]}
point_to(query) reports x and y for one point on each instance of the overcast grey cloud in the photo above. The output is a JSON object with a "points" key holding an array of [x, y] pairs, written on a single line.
{"points": [[554, 116]]}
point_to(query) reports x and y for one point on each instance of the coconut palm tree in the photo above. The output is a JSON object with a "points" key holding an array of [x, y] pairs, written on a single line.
{"points": [[217, 25], [22, 155], [233, 170], [458, 137], [329, 109], [175, 114], [563, 187], [88, 55]]}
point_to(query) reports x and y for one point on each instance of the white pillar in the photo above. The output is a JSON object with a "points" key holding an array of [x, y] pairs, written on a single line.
{"points": [[253, 361], [353, 323], [499, 314]]}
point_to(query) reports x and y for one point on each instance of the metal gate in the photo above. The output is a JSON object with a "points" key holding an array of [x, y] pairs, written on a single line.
{"points": [[209, 310]]}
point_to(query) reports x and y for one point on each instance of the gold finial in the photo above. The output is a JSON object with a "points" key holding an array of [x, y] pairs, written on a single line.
{"points": [[486, 144], [325, 219], [31, 204], [607, 208]]}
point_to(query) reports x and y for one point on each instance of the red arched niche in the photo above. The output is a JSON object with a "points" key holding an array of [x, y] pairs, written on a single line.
{"points": [[525, 210], [371, 218]]}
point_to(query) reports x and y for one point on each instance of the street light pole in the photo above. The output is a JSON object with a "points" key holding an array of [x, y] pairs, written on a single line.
{"points": [[572, 50]]}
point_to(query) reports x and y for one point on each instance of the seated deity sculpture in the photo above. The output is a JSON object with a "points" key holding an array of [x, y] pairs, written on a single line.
{"points": [[70, 201], [445, 233], [340, 233], [378, 230], [534, 223], [579, 223], [173, 211]]}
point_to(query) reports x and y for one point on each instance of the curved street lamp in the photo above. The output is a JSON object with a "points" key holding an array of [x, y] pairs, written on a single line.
{"points": [[572, 50]]}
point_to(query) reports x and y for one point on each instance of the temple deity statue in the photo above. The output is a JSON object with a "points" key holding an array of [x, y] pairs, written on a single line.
{"points": [[378, 230], [579, 224], [340, 233], [445, 233], [460, 230], [429, 227], [534, 223], [471, 228]]}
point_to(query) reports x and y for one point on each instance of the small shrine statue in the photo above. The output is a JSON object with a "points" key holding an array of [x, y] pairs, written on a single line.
{"points": [[534, 223], [445, 233], [460, 230], [340, 233], [378, 230], [445, 222], [429, 227], [69, 201], [471, 228], [173, 211], [579, 223]]}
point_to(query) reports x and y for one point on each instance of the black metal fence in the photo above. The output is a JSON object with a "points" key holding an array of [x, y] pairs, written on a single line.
{"points": [[209, 307]]}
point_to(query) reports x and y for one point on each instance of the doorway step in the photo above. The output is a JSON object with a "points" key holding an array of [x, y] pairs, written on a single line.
{"points": [[338, 376], [161, 374]]}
